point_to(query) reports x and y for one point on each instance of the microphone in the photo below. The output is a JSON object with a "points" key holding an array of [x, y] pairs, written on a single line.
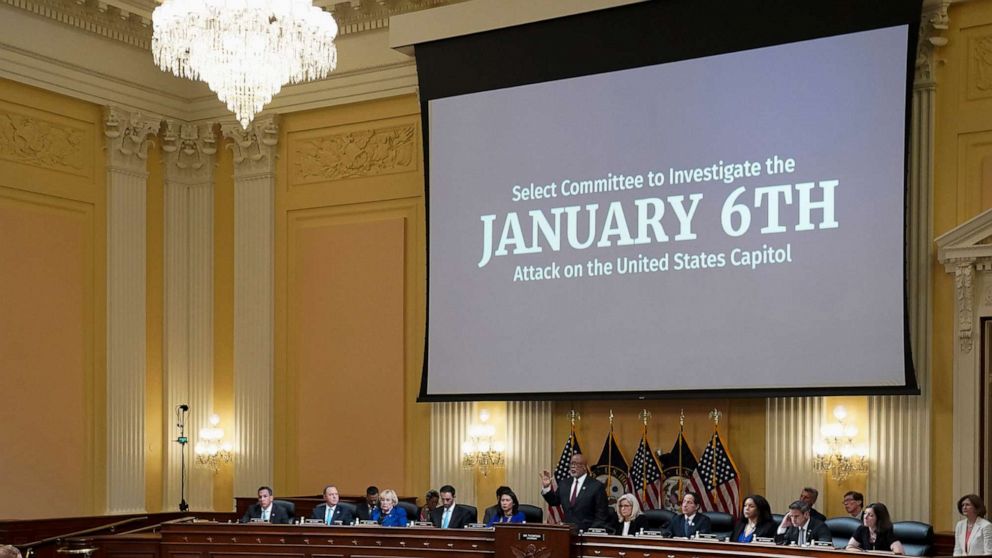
{"points": [[184, 407]]}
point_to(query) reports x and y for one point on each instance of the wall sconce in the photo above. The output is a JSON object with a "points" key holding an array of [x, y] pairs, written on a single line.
{"points": [[481, 451], [211, 450], [836, 452]]}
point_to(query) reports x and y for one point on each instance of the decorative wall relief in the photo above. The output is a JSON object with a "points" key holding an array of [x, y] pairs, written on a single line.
{"points": [[363, 153], [32, 141], [980, 67]]}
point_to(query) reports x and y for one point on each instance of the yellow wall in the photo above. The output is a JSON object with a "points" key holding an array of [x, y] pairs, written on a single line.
{"points": [[962, 189], [350, 300], [52, 303]]}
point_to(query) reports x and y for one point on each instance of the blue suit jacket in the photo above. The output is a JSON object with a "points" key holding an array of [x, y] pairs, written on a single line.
{"points": [[340, 514], [700, 524], [395, 518]]}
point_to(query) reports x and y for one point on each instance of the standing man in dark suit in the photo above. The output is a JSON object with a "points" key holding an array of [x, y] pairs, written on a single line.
{"points": [[267, 509], [364, 510], [799, 528], [582, 498], [451, 515], [330, 512], [690, 522]]}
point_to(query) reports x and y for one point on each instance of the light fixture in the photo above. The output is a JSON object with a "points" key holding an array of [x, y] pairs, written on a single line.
{"points": [[211, 450], [245, 50], [481, 451], [836, 452]]}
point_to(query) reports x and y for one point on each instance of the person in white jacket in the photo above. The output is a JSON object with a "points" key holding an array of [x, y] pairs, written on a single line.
{"points": [[973, 534]]}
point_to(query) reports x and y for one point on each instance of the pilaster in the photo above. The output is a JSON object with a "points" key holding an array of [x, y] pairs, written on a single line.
{"points": [[188, 159], [127, 140], [254, 152]]}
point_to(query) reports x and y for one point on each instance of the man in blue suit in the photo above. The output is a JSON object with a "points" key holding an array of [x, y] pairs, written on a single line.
{"points": [[330, 512], [690, 522]]}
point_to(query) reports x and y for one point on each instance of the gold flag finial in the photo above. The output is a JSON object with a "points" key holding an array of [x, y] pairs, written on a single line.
{"points": [[715, 415], [573, 416], [645, 415], [611, 418], [681, 418]]}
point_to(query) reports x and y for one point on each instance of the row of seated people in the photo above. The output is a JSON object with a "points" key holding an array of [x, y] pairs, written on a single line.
{"points": [[387, 510]]}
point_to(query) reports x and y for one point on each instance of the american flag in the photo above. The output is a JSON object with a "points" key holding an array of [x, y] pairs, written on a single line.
{"points": [[646, 480], [555, 513], [719, 478]]}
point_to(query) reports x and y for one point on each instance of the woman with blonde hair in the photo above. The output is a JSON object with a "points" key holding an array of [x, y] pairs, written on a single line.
{"points": [[389, 514], [629, 519]]}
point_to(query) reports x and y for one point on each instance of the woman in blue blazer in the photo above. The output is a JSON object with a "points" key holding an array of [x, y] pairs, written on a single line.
{"points": [[389, 514], [509, 510]]}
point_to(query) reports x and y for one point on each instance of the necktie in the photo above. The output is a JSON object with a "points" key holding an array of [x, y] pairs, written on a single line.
{"points": [[688, 527], [329, 516], [575, 492], [265, 515], [802, 537], [446, 518]]}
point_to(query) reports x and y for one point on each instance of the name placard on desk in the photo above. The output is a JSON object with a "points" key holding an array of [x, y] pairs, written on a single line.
{"points": [[421, 524], [651, 534], [530, 537], [477, 526], [595, 531], [707, 537], [822, 544], [367, 522]]}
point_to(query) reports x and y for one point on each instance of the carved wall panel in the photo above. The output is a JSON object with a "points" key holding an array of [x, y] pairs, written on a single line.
{"points": [[980, 67], [57, 144], [354, 153]]}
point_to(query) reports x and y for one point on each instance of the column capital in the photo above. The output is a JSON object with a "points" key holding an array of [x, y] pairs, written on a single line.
{"points": [[190, 151], [128, 139], [933, 24], [255, 148]]}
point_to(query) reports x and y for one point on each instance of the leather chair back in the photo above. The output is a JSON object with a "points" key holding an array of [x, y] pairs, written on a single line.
{"points": [[412, 511], [350, 507], [658, 519], [289, 506], [474, 511], [842, 529], [723, 524], [916, 537], [532, 514]]}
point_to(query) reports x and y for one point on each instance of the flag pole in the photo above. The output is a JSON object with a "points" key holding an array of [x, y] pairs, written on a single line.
{"points": [[645, 415], [715, 415], [681, 444], [609, 461]]}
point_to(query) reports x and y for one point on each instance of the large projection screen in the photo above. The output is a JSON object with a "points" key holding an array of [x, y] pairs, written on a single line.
{"points": [[728, 223]]}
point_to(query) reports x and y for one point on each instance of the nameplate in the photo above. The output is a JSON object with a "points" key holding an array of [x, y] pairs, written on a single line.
{"points": [[257, 520], [707, 537], [421, 524], [531, 537], [595, 531], [764, 540], [823, 544], [477, 526], [651, 534], [313, 521], [367, 522]]}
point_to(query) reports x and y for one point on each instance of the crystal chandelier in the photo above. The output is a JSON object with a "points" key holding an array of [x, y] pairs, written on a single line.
{"points": [[245, 50]]}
